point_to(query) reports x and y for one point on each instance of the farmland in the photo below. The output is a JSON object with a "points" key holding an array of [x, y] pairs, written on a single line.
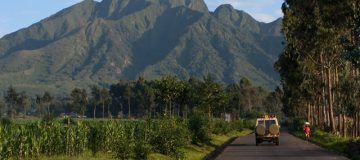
{"points": [[118, 139]]}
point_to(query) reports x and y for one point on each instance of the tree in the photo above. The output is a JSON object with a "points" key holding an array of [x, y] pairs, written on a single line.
{"points": [[24, 101], [79, 100], [211, 95], [128, 94], [39, 102], [311, 61], [168, 89], [47, 99], [11, 99], [96, 97], [273, 102], [105, 99]]}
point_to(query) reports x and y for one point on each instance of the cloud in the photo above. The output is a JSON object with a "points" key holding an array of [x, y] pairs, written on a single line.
{"points": [[264, 17], [261, 10]]}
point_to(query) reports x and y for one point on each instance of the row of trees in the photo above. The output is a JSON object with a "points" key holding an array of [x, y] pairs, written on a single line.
{"points": [[320, 64], [167, 96]]}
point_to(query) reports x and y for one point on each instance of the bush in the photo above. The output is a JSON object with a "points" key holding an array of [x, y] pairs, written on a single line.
{"points": [[220, 126], [168, 137], [237, 125], [5, 122], [199, 127], [249, 123], [295, 124]]}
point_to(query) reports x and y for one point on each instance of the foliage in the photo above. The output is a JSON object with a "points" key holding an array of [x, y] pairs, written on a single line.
{"points": [[199, 127], [169, 136]]}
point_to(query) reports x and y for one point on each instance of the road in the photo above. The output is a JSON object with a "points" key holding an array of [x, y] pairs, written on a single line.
{"points": [[290, 148]]}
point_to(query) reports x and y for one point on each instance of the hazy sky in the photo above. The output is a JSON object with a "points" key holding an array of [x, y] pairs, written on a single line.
{"points": [[17, 14]]}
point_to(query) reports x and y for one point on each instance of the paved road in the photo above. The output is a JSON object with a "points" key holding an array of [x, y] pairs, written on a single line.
{"points": [[290, 148]]}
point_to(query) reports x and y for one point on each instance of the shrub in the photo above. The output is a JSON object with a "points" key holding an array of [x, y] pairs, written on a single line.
{"points": [[249, 123], [237, 125], [220, 126], [5, 122], [199, 127], [168, 137]]}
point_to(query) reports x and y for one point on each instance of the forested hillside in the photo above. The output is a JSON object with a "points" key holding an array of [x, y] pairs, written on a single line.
{"points": [[99, 43]]}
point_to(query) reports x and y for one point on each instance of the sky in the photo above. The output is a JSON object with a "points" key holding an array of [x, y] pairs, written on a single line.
{"points": [[17, 14]]}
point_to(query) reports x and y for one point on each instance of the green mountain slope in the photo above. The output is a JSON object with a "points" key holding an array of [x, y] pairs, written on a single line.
{"points": [[102, 42]]}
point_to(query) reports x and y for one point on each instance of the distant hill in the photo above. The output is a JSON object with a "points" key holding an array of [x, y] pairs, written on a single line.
{"points": [[103, 42]]}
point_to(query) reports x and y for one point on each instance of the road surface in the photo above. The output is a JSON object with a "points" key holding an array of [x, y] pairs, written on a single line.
{"points": [[290, 148]]}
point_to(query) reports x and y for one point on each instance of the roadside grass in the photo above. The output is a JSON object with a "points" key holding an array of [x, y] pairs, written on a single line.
{"points": [[327, 140], [198, 152], [84, 156]]}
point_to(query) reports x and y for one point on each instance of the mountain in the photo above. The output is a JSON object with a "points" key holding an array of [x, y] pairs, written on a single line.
{"points": [[103, 42]]}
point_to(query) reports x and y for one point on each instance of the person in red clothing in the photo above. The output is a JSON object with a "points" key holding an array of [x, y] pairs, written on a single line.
{"points": [[307, 130]]}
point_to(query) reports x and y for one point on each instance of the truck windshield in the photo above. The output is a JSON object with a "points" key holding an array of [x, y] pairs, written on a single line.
{"points": [[261, 122], [268, 123]]}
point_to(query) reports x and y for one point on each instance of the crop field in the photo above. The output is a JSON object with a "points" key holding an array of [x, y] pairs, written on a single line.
{"points": [[119, 139]]}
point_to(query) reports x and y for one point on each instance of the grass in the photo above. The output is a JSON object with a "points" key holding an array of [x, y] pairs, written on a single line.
{"points": [[197, 152], [85, 156], [327, 140]]}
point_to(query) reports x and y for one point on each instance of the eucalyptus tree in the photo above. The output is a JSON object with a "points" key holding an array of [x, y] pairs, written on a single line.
{"points": [[105, 99], [128, 95], [47, 99], [311, 61], [95, 93], [24, 101]]}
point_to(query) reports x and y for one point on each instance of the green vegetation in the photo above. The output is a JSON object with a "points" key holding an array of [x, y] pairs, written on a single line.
{"points": [[119, 139], [165, 97], [319, 66], [337, 143], [167, 118]]}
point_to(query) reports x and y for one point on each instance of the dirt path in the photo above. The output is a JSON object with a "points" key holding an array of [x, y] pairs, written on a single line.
{"points": [[290, 148]]}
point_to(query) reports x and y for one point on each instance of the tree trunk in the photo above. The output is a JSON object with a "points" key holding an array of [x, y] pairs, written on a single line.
{"points": [[319, 108], [48, 109], [353, 132], [313, 111], [170, 109], [108, 110], [357, 125], [344, 125], [129, 113], [340, 124], [308, 113], [330, 101], [209, 111], [103, 109], [325, 122], [94, 111]]}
